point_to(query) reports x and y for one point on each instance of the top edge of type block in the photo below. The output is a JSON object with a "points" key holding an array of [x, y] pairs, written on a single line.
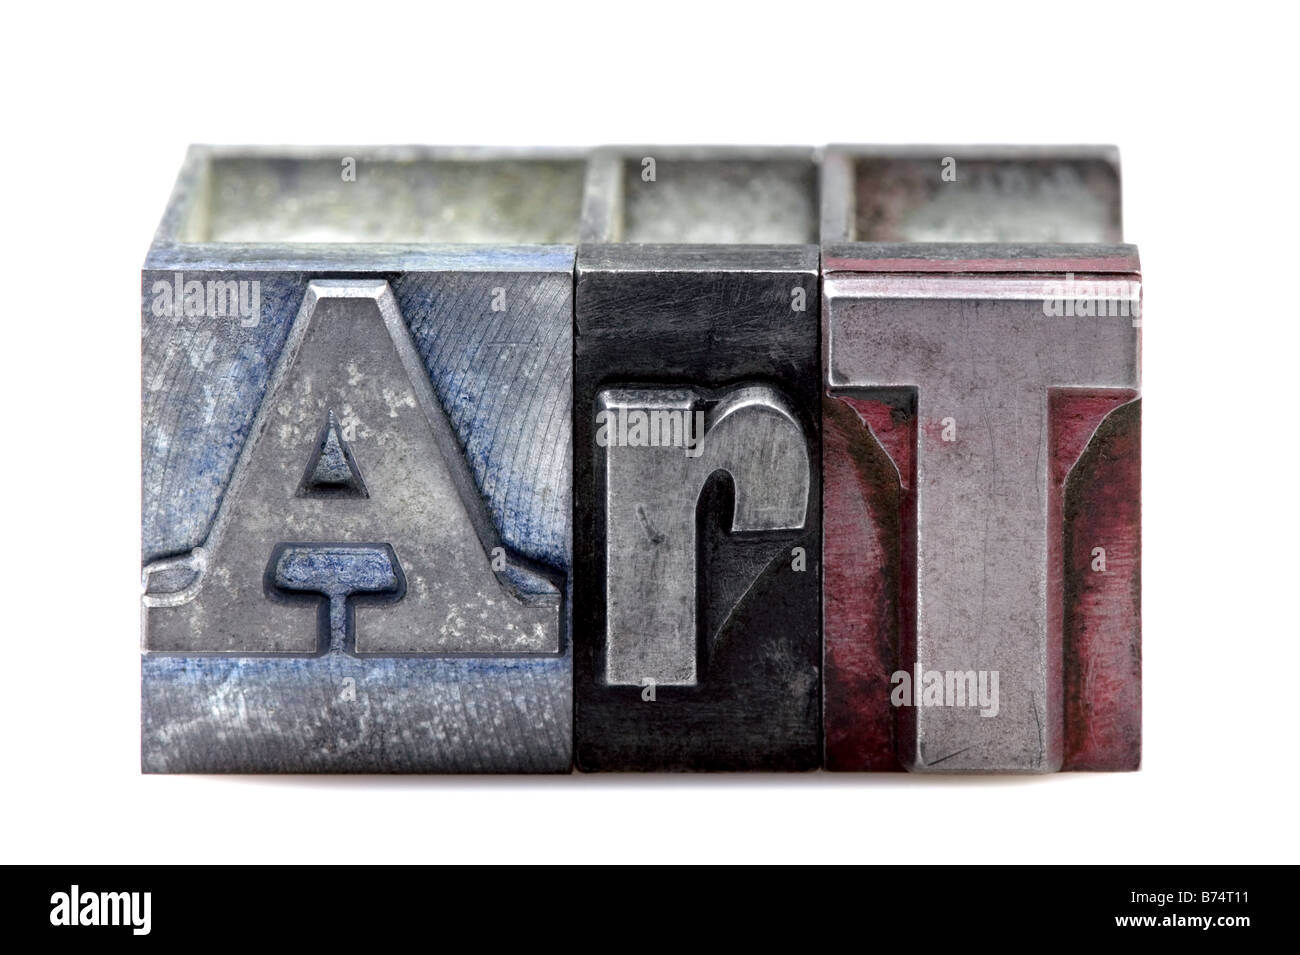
{"points": [[702, 196], [409, 207], [1019, 197], [372, 207]]}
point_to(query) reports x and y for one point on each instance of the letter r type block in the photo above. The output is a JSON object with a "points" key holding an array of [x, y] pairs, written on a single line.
{"points": [[697, 632]]}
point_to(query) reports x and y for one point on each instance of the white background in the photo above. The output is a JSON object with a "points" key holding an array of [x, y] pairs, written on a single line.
{"points": [[98, 106]]}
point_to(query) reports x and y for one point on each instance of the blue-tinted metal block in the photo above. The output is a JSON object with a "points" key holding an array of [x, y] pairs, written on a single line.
{"points": [[357, 377]]}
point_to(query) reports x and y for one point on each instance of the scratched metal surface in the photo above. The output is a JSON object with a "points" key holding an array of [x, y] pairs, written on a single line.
{"points": [[934, 287], [971, 194], [350, 372], [247, 714], [203, 383], [651, 496], [982, 356], [398, 715], [708, 317], [709, 310], [257, 199]]}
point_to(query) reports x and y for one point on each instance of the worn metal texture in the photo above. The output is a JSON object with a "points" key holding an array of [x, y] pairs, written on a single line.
{"points": [[464, 460], [983, 361], [661, 447], [701, 195], [868, 543], [399, 195], [350, 360], [1097, 500], [972, 479], [972, 194], [356, 528], [697, 630]]}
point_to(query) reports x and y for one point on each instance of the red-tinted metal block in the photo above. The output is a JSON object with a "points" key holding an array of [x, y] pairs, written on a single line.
{"points": [[1096, 496], [868, 480], [981, 462]]}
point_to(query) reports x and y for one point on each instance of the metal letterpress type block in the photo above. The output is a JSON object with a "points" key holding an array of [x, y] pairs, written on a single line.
{"points": [[697, 521], [356, 463], [981, 461]]}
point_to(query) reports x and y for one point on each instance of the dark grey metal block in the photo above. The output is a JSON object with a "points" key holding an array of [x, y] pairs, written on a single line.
{"points": [[697, 508]]}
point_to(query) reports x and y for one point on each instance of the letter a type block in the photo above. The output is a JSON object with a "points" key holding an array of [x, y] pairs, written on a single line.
{"points": [[696, 462], [356, 474], [981, 462]]}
